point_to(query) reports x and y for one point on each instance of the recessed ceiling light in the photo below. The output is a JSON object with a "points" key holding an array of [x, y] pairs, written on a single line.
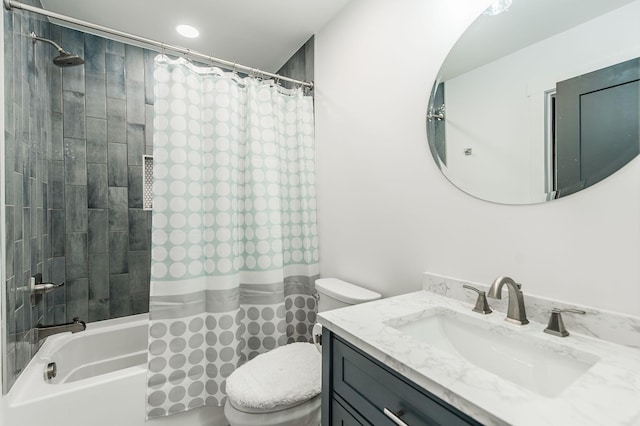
{"points": [[498, 6], [187, 31]]}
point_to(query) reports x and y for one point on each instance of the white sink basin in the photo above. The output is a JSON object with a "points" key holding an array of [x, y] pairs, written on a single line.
{"points": [[499, 349]]}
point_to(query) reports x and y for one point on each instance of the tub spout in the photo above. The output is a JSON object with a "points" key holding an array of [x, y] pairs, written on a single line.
{"points": [[43, 331]]}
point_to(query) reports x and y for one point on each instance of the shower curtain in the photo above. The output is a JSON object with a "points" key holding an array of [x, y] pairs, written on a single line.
{"points": [[234, 238]]}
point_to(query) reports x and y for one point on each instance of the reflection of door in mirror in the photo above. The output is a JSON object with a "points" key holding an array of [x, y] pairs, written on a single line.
{"points": [[598, 125]]}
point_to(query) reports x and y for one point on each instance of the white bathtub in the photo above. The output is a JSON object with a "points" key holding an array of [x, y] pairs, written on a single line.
{"points": [[101, 381]]}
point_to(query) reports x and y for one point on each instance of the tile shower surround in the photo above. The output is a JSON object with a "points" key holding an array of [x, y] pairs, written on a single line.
{"points": [[74, 141]]}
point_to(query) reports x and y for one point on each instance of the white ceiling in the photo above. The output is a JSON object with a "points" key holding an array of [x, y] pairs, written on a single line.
{"points": [[262, 34], [527, 22]]}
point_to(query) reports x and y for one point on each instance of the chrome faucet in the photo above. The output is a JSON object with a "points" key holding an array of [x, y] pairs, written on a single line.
{"points": [[42, 331], [515, 311]]}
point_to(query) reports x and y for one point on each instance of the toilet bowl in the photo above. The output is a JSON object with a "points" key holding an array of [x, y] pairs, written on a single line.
{"points": [[282, 387]]}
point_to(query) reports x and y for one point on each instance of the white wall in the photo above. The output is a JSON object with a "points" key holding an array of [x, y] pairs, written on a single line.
{"points": [[498, 109], [386, 213]]}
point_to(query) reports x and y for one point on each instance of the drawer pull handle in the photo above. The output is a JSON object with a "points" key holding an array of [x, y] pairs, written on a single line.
{"points": [[394, 417]]}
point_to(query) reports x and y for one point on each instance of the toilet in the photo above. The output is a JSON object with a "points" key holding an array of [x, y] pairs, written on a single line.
{"points": [[282, 387]]}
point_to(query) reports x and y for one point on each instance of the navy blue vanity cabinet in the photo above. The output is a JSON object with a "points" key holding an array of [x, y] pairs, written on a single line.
{"points": [[357, 390]]}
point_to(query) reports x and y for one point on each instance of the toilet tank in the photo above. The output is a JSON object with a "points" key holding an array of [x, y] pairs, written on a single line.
{"points": [[335, 293]]}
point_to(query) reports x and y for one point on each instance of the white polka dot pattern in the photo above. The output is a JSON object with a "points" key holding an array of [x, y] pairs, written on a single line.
{"points": [[233, 193], [234, 173]]}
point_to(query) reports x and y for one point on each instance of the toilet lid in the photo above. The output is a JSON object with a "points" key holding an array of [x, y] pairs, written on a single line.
{"points": [[345, 292], [278, 379]]}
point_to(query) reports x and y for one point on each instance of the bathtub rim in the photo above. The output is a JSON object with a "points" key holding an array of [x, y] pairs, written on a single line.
{"points": [[53, 343]]}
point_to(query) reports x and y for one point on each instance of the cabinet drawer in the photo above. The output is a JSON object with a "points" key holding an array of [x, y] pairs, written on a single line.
{"points": [[369, 387], [340, 416]]}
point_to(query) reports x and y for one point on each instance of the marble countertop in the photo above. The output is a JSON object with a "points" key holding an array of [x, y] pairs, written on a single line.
{"points": [[608, 393]]}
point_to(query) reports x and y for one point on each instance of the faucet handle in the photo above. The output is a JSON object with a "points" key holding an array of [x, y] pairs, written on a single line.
{"points": [[556, 324], [37, 287], [482, 306], [45, 287]]}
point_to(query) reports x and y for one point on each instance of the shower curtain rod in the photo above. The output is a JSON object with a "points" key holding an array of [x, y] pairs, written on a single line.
{"points": [[10, 4]]}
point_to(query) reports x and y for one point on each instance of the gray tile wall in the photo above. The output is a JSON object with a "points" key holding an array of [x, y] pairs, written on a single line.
{"points": [[28, 189], [300, 65], [74, 144], [103, 238]]}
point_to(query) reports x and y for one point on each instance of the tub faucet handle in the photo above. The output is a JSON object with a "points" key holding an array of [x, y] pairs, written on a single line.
{"points": [[556, 326], [482, 306], [37, 287], [45, 287]]}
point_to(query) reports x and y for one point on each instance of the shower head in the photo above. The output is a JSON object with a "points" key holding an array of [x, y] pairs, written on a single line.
{"points": [[64, 59]]}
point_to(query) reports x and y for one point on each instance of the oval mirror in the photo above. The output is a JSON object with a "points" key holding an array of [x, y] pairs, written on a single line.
{"points": [[540, 101]]}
